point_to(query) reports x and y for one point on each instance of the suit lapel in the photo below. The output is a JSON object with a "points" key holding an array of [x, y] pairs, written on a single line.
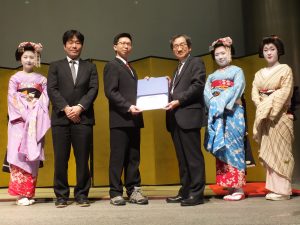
{"points": [[80, 71], [185, 65], [127, 69]]}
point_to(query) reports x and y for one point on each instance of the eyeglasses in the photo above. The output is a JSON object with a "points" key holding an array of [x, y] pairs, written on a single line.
{"points": [[125, 43], [179, 45]]}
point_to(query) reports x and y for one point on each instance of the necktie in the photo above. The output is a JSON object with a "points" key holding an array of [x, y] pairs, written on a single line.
{"points": [[176, 76], [73, 71], [129, 68]]}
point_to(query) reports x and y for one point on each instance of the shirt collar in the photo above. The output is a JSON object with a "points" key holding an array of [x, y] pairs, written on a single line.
{"points": [[123, 60], [76, 60], [183, 61]]}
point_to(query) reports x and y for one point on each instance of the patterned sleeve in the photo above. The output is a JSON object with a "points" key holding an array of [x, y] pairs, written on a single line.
{"points": [[207, 91]]}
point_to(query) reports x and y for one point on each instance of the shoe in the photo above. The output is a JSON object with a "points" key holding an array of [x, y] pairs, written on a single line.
{"points": [[137, 197], [174, 199], [83, 202], [191, 201], [118, 200], [31, 201], [61, 203], [277, 197], [23, 201], [234, 197]]}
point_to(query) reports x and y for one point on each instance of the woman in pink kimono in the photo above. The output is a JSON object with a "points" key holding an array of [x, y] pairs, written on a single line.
{"points": [[273, 126], [28, 123]]}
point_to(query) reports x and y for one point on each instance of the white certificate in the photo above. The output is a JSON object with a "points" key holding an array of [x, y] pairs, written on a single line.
{"points": [[152, 93]]}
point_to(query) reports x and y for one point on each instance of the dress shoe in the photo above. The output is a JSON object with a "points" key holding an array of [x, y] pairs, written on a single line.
{"points": [[191, 201], [61, 203], [83, 202], [175, 199]]}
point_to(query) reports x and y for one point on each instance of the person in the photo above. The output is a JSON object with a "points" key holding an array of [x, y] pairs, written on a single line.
{"points": [[28, 123], [72, 89], [125, 122], [184, 118], [272, 90], [226, 123]]}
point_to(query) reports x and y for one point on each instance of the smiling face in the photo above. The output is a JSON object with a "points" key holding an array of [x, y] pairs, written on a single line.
{"points": [[123, 47], [27, 61], [270, 53], [73, 48], [181, 49], [222, 56]]}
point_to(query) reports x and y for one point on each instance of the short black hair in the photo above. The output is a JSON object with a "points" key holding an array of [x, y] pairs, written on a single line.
{"points": [[219, 44], [121, 35], [272, 39], [71, 33], [19, 53], [186, 37]]}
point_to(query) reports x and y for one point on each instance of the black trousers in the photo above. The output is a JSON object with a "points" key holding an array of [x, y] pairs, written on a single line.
{"points": [[81, 138], [190, 161], [124, 156]]}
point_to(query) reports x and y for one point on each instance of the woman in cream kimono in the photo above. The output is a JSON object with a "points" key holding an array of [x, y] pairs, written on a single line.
{"points": [[273, 126]]}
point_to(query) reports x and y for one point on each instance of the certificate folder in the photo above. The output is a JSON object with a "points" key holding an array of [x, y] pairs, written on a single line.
{"points": [[152, 93]]}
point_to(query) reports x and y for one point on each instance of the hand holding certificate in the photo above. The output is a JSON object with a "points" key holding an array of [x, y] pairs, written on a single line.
{"points": [[152, 93]]}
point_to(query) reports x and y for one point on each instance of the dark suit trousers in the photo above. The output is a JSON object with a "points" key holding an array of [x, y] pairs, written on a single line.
{"points": [[190, 161], [81, 138], [124, 155]]}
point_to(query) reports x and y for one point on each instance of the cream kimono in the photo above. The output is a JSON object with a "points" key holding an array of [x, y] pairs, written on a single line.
{"points": [[273, 125]]}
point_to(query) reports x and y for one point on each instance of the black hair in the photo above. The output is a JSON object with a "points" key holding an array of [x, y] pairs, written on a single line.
{"points": [[272, 39], [219, 44], [121, 35], [70, 34], [19, 52], [187, 39]]}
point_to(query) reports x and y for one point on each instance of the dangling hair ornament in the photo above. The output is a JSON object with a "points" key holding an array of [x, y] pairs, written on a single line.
{"points": [[38, 47]]}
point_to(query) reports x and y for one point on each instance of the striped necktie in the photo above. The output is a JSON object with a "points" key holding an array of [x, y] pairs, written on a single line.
{"points": [[176, 76]]}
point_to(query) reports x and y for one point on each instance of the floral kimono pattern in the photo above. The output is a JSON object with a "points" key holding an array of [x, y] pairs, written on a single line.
{"points": [[226, 125]]}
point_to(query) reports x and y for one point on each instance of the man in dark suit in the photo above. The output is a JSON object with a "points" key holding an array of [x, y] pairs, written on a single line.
{"points": [[125, 121], [72, 89], [185, 117]]}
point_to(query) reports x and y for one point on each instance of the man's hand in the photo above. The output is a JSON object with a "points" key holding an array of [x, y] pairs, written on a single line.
{"points": [[172, 105], [73, 113], [134, 110]]}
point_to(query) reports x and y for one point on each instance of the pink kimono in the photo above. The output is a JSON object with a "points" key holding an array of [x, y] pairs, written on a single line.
{"points": [[28, 123]]}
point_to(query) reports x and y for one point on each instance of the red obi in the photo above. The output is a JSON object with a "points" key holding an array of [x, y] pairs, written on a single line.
{"points": [[222, 83]]}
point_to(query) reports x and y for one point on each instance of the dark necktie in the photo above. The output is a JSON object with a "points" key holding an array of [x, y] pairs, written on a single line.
{"points": [[176, 76], [73, 70]]}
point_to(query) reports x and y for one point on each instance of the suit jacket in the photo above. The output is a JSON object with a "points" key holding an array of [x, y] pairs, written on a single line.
{"points": [[120, 87], [62, 91], [188, 89]]}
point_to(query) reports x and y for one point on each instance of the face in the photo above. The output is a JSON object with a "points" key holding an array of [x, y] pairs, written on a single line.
{"points": [[73, 48], [27, 61], [180, 48], [221, 56], [123, 47], [270, 53]]}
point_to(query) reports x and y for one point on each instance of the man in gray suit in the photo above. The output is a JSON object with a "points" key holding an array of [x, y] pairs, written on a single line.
{"points": [[185, 117], [72, 89]]}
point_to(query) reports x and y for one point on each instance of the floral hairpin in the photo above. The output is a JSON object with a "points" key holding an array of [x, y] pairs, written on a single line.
{"points": [[38, 47], [226, 41]]}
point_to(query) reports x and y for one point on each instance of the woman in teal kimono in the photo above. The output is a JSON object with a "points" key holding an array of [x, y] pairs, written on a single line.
{"points": [[226, 124]]}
